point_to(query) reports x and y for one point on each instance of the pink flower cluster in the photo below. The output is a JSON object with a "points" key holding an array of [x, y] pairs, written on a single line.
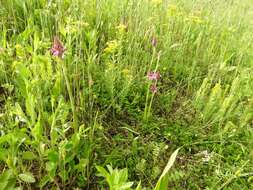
{"points": [[153, 76], [58, 49]]}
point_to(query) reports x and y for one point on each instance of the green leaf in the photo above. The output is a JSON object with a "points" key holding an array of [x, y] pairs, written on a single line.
{"points": [[18, 188], [138, 186], [81, 166], [123, 175], [3, 154], [51, 168], [30, 107], [102, 171], [4, 179], [162, 183], [53, 156], [28, 155], [126, 185], [22, 70], [5, 138], [27, 177], [37, 130], [170, 162]]}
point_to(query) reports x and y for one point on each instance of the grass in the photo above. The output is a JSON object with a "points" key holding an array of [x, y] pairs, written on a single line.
{"points": [[64, 120]]}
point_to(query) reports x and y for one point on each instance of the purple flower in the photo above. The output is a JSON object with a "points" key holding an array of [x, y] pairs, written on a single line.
{"points": [[153, 88], [152, 75], [57, 49]]}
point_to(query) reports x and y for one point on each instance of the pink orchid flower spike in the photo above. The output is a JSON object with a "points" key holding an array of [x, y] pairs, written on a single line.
{"points": [[57, 49], [152, 75], [153, 88]]}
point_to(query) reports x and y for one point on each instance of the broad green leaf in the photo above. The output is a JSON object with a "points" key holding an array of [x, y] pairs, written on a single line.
{"points": [[19, 113], [123, 175], [170, 162], [162, 183], [81, 166], [53, 156], [3, 154], [126, 185], [5, 138], [138, 186], [22, 70], [102, 171], [11, 184], [51, 168], [28, 156], [27, 177], [4, 178], [37, 130]]}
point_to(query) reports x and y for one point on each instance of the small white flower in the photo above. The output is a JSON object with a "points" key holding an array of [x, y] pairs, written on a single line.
{"points": [[19, 118], [206, 156]]}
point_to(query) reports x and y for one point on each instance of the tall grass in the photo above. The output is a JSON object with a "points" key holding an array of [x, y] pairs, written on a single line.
{"points": [[62, 119]]}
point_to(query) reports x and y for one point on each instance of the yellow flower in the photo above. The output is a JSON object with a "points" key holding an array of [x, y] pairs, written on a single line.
{"points": [[112, 46], [81, 24], [110, 66], [18, 46], [20, 51], [127, 74], [194, 19], [156, 2], [125, 71], [197, 12], [121, 28], [172, 9]]}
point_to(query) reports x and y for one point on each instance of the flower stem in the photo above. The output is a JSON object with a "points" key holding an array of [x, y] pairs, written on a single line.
{"points": [[72, 102]]}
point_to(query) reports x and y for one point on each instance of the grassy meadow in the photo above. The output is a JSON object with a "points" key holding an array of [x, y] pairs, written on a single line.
{"points": [[126, 94]]}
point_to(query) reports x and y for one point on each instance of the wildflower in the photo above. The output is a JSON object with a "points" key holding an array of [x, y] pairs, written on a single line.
{"points": [[20, 51], [21, 119], [153, 88], [125, 71], [197, 12], [172, 10], [156, 2], [152, 75], [57, 49], [195, 19], [121, 28], [206, 156], [81, 23], [110, 66], [112, 46], [127, 74], [154, 41]]}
